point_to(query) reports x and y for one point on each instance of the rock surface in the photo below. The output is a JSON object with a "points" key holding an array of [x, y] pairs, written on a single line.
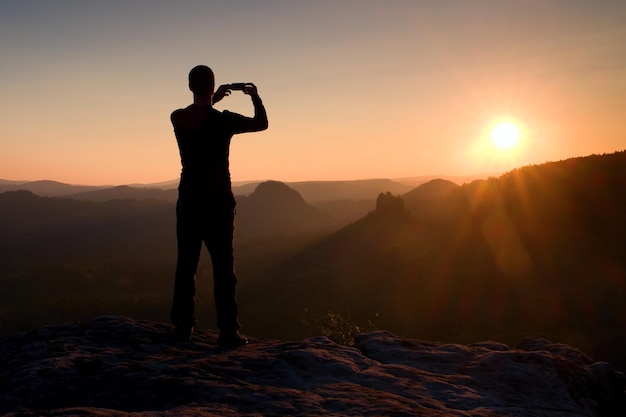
{"points": [[115, 366]]}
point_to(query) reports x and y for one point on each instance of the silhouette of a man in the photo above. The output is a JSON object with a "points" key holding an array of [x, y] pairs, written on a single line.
{"points": [[205, 210]]}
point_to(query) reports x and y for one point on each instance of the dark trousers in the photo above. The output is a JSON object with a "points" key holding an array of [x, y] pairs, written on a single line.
{"points": [[202, 219]]}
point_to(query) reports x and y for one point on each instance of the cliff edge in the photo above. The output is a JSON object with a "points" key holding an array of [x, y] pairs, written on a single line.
{"points": [[116, 366]]}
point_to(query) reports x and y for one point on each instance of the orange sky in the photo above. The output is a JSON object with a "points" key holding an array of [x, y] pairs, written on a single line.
{"points": [[353, 89]]}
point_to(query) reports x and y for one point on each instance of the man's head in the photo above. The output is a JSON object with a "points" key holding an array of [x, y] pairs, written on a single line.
{"points": [[202, 80]]}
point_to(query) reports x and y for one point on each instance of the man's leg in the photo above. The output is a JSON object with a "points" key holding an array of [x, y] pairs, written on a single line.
{"points": [[189, 246], [220, 245]]}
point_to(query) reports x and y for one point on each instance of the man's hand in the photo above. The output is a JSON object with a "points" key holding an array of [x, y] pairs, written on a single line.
{"points": [[226, 89], [221, 92], [250, 89]]}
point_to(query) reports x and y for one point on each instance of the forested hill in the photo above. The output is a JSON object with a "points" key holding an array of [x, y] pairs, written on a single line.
{"points": [[38, 230], [538, 251], [277, 209]]}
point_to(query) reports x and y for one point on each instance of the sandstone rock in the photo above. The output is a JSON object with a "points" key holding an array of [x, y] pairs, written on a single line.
{"points": [[122, 367]]}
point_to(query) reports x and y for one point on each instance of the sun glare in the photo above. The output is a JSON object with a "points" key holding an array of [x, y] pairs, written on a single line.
{"points": [[505, 135], [500, 145]]}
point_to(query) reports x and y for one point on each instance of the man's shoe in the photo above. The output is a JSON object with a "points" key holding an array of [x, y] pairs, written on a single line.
{"points": [[183, 334], [231, 339]]}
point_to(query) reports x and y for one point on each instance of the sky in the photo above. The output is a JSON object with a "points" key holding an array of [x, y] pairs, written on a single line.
{"points": [[354, 89]]}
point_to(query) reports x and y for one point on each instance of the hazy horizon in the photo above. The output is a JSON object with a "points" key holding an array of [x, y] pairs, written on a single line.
{"points": [[241, 182], [356, 89]]}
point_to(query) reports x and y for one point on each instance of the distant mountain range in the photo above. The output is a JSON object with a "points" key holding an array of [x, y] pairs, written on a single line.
{"points": [[344, 201], [46, 188], [96, 220], [113, 220], [125, 192], [314, 192]]}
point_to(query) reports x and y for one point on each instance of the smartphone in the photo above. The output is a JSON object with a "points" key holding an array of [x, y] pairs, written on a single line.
{"points": [[237, 86]]}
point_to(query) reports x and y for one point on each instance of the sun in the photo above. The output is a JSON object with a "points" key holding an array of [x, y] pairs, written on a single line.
{"points": [[500, 145], [505, 135]]}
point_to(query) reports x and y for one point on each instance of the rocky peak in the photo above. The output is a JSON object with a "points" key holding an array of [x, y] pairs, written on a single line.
{"points": [[118, 366], [277, 191], [388, 204]]}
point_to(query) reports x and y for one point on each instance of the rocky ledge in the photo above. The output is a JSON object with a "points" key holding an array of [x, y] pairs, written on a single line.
{"points": [[115, 366]]}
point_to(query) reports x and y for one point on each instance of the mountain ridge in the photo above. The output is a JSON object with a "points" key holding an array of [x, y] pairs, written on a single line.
{"points": [[312, 191]]}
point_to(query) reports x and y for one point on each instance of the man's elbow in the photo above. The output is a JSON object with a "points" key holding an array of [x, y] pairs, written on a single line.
{"points": [[261, 123]]}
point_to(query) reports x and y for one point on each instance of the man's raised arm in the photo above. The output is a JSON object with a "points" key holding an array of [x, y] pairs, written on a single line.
{"points": [[260, 115]]}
